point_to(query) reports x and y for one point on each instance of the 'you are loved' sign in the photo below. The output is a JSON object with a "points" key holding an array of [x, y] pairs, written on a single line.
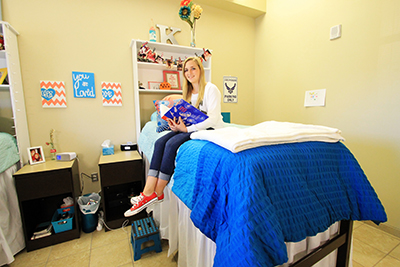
{"points": [[83, 84]]}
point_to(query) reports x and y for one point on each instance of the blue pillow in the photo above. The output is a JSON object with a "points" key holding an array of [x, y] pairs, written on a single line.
{"points": [[162, 125], [153, 116]]}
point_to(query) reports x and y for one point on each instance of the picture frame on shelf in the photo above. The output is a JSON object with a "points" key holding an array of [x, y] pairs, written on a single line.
{"points": [[36, 155], [154, 85], [173, 78], [3, 76]]}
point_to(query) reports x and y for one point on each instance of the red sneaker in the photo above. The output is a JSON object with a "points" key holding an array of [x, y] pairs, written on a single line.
{"points": [[143, 202], [160, 198], [135, 200]]}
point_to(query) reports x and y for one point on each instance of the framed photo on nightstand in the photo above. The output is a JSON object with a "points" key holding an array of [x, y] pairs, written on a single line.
{"points": [[172, 77], [36, 155]]}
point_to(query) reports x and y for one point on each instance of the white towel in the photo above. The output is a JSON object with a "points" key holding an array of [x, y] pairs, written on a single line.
{"points": [[268, 133]]}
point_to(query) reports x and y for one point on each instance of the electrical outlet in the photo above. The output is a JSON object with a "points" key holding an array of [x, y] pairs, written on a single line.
{"points": [[94, 176]]}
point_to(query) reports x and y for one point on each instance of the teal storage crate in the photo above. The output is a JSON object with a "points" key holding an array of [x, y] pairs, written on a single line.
{"points": [[63, 225]]}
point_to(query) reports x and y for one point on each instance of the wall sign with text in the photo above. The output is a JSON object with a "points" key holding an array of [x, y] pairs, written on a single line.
{"points": [[83, 83], [230, 89]]}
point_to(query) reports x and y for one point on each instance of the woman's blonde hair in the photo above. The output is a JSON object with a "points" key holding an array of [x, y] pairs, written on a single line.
{"points": [[187, 86]]}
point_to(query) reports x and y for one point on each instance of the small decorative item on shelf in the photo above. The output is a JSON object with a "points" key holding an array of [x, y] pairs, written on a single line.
{"points": [[1, 42], [169, 63], [172, 77], [190, 12], [3, 76], [159, 59], [141, 85], [51, 144], [206, 54], [145, 54], [154, 85], [165, 86], [179, 64], [149, 55], [152, 33]]}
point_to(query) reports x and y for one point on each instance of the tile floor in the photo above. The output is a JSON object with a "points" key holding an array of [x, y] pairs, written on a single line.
{"points": [[96, 249], [371, 247], [374, 247]]}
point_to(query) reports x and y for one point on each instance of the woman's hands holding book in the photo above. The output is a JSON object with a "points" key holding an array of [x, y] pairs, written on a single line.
{"points": [[177, 126]]}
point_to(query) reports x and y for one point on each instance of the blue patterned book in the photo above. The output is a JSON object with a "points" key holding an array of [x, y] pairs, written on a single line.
{"points": [[189, 114]]}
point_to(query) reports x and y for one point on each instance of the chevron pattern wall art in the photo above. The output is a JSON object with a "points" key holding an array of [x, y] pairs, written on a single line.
{"points": [[111, 93], [53, 94]]}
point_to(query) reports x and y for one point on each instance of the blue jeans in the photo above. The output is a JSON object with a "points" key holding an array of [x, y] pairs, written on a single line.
{"points": [[163, 161]]}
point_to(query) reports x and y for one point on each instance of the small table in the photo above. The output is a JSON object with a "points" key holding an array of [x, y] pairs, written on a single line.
{"points": [[121, 177], [41, 189]]}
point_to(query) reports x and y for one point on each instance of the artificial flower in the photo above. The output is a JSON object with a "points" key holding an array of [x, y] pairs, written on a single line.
{"points": [[186, 2], [187, 9], [184, 13], [51, 143], [197, 11]]}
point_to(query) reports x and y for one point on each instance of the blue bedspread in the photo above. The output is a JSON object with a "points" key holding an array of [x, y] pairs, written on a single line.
{"points": [[251, 202]]}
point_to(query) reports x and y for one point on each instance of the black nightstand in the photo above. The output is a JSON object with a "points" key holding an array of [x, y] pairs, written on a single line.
{"points": [[121, 176], [41, 189]]}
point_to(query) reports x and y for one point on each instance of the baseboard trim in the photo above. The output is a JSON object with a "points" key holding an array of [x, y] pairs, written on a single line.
{"points": [[386, 228]]}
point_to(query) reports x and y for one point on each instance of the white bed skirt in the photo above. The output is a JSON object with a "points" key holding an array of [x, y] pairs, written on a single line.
{"points": [[197, 250], [11, 232]]}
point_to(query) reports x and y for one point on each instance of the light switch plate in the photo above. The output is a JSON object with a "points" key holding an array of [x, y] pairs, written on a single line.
{"points": [[336, 32]]}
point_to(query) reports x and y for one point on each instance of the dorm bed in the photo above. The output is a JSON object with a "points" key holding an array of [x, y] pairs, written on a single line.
{"points": [[273, 204], [11, 233]]}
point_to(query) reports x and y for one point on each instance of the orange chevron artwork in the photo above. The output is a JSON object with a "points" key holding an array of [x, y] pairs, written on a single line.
{"points": [[53, 94], [111, 93]]}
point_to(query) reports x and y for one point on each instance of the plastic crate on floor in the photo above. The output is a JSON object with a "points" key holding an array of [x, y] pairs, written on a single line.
{"points": [[144, 230]]}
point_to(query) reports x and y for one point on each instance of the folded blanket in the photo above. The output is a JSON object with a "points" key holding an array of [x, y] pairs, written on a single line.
{"points": [[268, 133], [9, 151]]}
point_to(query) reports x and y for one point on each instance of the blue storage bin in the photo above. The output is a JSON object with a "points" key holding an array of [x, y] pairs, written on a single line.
{"points": [[63, 225]]}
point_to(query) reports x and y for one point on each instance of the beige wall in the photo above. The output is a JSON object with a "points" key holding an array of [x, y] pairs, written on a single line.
{"points": [[360, 71], [58, 37]]}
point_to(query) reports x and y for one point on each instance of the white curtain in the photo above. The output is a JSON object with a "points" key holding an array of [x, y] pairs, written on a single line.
{"points": [[197, 250], [11, 233]]}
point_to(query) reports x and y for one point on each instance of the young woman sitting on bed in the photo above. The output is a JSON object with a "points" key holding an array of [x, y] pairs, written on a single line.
{"points": [[204, 96]]}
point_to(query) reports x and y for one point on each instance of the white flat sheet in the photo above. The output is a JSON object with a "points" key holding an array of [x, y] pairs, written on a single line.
{"points": [[268, 133]]}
